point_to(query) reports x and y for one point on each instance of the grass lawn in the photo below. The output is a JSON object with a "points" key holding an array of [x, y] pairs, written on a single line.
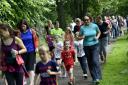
{"points": [[115, 71]]}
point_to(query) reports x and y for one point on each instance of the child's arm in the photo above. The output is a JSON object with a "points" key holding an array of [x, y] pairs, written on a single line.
{"points": [[35, 79], [53, 73], [37, 72], [56, 69]]}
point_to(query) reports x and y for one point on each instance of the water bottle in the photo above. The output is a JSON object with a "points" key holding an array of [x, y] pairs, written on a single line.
{"points": [[13, 53]]}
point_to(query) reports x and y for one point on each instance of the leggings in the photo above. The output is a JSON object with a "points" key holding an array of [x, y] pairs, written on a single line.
{"points": [[14, 78]]}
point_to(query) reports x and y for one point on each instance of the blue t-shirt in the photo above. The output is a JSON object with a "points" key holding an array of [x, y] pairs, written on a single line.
{"points": [[27, 39], [90, 31], [41, 69]]}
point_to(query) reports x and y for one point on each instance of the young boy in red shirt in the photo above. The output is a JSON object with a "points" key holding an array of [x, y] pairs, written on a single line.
{"points": [[68, 57]]}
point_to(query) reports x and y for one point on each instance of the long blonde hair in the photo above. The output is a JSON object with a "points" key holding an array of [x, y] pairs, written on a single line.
{"points": [[71, 35]]}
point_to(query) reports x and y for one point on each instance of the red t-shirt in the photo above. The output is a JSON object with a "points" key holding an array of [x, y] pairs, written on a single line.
{"points": [[68, 57]]}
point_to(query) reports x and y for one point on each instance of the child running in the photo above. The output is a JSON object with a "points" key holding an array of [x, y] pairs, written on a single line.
{"points": [[58, 49], [57, 52], [81, 55], [46, 68], [68, 56]]}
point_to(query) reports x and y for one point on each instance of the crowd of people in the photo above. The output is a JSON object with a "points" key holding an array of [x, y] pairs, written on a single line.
{"points": [[83, 40]]}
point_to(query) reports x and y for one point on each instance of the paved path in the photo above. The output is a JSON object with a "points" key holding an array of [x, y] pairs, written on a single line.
{"points": [[78, 77]]}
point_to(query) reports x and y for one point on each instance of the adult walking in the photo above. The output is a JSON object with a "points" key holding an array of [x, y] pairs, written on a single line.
{"points": [[30, 41], [48, 27], [90, 33], [11, 46], [48, 36], [57, 31], [115, 30], [103, 39], [78, 25]]}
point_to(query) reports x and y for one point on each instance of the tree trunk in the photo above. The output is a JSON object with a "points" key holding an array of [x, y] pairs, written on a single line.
{"points": [[60, 12], [79, 8], [85, 7]]}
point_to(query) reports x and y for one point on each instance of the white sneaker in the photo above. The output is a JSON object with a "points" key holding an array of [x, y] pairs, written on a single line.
{"points": [[85, 76]]}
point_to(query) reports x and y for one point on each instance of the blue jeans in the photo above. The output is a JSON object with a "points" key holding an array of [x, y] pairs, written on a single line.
{"points": [[92, 54], [103, 42], [83, 64], [113, 33]]}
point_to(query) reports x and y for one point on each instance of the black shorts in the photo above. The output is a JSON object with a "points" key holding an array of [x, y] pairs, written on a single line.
{"points": [[29, 60]]}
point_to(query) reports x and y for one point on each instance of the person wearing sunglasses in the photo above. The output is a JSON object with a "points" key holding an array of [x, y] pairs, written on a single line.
{"points": [[90, 33]]}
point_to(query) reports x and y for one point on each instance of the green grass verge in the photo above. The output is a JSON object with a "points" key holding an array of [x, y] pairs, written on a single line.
{"points": [[115, 71]]}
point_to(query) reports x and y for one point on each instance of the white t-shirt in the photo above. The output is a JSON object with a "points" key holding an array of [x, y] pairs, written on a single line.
{"points": [[58, 48], [72, 26], [79, 48]]}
